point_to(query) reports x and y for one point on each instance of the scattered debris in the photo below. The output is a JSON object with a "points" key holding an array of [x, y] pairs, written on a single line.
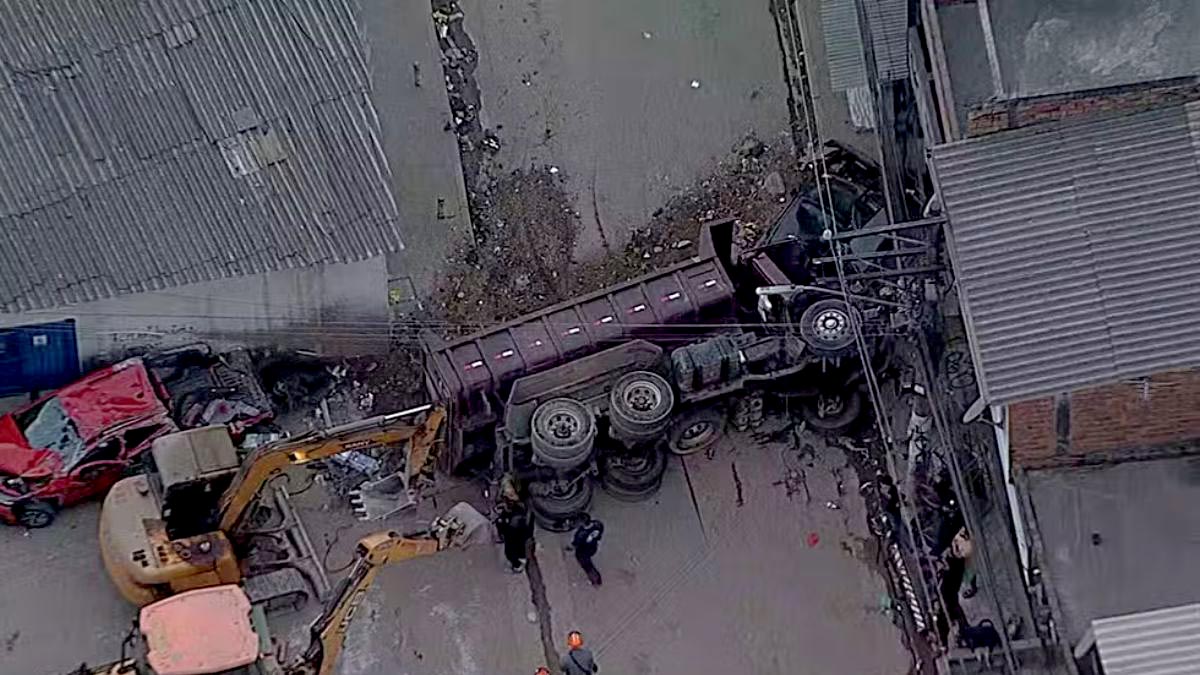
{"points": [[681, 244], [695, 84], [774, 184], [646, 35]]}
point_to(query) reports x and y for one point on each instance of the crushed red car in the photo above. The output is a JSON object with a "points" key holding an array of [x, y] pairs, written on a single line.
{"points": [[74, 443]]}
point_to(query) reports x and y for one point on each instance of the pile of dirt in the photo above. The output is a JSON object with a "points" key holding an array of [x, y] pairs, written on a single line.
{"points": [[525, 230], [753, 185], [526, 227]]}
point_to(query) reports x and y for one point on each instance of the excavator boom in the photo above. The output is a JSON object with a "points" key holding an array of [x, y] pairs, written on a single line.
{"points": [[266, 462], [373, 552]]}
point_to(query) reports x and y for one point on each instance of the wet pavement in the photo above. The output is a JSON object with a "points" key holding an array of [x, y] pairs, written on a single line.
{"points": [[632, 101], [755, 572]]}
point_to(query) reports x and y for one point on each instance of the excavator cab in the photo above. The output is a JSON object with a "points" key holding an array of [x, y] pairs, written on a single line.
{"points": [[191, 469], [226, 642]]}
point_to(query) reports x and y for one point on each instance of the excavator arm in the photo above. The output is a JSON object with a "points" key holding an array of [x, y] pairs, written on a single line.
{"points": [[268, 461], [374, 552]]}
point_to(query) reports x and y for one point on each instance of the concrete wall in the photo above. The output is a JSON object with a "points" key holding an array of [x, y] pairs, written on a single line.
{"points": [[338, 309]]}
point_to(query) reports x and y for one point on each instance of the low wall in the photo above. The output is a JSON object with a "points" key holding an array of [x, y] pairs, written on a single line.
{"points": [[332, 309]]}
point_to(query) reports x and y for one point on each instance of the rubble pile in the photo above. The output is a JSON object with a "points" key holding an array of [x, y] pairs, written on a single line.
{"points": [[525, 230]]}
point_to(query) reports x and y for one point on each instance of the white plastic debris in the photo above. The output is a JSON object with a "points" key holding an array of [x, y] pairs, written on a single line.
{"points": [[553, 169], [646, 35], [695, 84]]}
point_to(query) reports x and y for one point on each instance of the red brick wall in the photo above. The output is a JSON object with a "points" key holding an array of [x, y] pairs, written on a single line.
{"points": [[1031, 431], [1157, 413], [1012, 114]]}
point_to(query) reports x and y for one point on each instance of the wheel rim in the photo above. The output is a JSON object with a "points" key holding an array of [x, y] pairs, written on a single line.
{"points": [[696, 434], [832, 327], [830, 405], [36, 518], [563, 426], [642, 397]]}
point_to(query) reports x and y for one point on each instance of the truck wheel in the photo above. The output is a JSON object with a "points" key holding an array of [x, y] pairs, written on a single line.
{"points": [[695, 431], [558, 505], [833, 412], [563, 431], [36, 514], [640, 406], [827, 329], [633, 476]]}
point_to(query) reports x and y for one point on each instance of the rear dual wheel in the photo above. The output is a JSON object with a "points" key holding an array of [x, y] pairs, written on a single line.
{"points": [[559, 505], [695, 431], [562, 434], [633, 476]]}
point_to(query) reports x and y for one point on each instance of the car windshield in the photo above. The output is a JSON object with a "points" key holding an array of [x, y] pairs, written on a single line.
{"points": [[53, 430]]}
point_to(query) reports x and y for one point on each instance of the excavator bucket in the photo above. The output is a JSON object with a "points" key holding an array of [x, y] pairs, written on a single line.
{"points": [[378, 499], [469, 526]]}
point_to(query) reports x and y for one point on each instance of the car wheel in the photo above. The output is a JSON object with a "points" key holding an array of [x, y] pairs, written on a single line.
{"points": [[562, 434], [833, 412], [37, 514], [695, 431], [633, 476], [827, 328], [559, 505], [640, 406]]}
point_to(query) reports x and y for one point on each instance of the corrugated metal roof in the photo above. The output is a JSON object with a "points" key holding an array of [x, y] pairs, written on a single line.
{"points": [[148, 145], [888, 23], [844, 50], [843, 44], [1077, 249], [1160, 642]]}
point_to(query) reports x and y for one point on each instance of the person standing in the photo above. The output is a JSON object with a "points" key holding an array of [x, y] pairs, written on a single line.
{"points": [[579, 660], [516, 530], [585, 543]]}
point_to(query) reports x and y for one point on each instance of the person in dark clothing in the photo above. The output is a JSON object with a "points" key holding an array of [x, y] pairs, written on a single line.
{"points": [[585, 543], [516, 530], [578, 661]]}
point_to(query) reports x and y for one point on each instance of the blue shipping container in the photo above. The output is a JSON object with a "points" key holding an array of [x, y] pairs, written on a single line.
{"points": [[38, 357]]}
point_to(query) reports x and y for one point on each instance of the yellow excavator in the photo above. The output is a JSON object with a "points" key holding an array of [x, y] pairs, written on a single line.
{"points": [[197, 517], [218, 631]]}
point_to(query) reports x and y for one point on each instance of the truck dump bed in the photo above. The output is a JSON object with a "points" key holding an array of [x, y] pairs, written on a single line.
{"points": [[676, 304]]}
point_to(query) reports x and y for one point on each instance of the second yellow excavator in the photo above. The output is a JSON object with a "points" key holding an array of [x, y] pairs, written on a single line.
{"points": [[197, 519], [218, 631]]}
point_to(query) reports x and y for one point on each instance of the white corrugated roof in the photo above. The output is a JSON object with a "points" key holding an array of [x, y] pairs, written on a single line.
{"points": [[1159, 642], [1077, 249]]}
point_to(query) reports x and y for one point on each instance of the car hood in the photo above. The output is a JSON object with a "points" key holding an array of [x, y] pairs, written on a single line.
{"points": [[18, 460]]}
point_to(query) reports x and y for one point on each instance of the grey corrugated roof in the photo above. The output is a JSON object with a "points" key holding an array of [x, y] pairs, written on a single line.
{"points": [[1076, 249], [1160, 642], [843, 44], [888, 23], [844, 51], [148, 145]]}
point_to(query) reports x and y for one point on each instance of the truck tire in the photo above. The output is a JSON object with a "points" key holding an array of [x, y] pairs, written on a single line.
{"points": [[35, 514], [833, 412], [563, 431], [695, 430], [826, 327], [633, 476], [640, 406], [559, 505]]}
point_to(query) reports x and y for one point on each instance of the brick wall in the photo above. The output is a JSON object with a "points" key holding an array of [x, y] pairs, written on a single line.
{"points": [[996, 116], [1158, 414], [1031, 430]]}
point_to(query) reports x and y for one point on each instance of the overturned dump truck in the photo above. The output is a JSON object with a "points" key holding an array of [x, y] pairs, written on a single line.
{"points": [[607, 384]]}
